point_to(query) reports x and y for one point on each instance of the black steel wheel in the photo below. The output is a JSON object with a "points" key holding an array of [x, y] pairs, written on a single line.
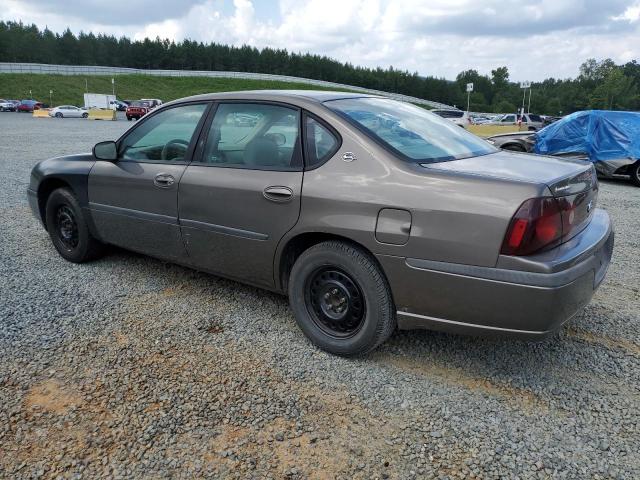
{"points": [[340, 298], [335, 302], [68, 228]]}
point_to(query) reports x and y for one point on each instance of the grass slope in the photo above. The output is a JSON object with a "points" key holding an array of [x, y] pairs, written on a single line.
{"points": [[69, 89]]}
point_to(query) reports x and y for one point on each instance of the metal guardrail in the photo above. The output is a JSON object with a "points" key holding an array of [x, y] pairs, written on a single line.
{"points": [[43, 68]]}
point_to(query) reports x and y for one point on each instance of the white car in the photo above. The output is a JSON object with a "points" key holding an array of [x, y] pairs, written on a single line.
{"points": [[68, 111], [456, 116], [7, 105]]}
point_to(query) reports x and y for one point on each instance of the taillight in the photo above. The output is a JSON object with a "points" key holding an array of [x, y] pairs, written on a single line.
{"points": [[536, 224], [547, 221]]}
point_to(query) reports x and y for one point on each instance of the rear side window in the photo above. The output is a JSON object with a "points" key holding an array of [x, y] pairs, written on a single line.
{"points": [[321, 143], [535, 118]]}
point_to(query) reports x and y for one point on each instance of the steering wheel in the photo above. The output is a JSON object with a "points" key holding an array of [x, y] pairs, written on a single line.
{"points": [[176, 142]]}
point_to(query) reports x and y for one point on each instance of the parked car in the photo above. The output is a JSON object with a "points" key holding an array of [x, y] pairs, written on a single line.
{"points": [[531, 121], [68, 111], [8, 105], [29, 106], [368, 224], [456, 116], [153, 102], [607, 139], [137, 109], [118, 105]]}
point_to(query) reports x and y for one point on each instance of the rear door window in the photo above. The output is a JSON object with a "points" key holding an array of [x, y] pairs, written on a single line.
{"points": [[254, 135]]}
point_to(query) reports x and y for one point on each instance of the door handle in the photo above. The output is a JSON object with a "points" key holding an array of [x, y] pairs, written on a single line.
{"points": [[278, 194], [163, 180]]}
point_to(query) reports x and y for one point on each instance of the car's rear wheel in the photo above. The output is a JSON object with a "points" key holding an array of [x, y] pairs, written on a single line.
{"points": [[85, 115], [635, 174], [128, 118], [341, 299], [59, 115], [68, 228], [514, 148]]}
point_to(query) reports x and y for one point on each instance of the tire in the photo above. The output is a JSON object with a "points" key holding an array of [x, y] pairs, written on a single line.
{"points": [[85, 115], [341, 299], [514, 148], [59, 115], [68, 229], [635, 174], [128, 118]]}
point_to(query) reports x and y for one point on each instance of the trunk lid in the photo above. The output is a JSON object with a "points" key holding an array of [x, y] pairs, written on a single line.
{"points": [[521, 167], [573, 183]]}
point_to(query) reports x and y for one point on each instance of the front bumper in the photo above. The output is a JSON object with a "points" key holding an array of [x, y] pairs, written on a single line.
{"points": [[32, 197], [525, 296]]}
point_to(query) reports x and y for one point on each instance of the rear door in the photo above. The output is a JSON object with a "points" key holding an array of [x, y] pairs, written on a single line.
{"points": [[134, 200], [241, 193]]}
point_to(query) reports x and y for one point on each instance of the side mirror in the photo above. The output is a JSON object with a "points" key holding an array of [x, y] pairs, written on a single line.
{"points": [[106, 151]]}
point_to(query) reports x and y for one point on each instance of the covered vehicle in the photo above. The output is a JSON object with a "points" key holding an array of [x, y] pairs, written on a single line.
{"points": [[608, 139]]}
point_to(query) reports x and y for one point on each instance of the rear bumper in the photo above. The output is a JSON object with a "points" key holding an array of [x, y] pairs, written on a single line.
{"points": [[525, 296]]}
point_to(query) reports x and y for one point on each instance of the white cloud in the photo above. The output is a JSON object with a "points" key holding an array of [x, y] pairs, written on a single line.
{"points": [[535, 39]]}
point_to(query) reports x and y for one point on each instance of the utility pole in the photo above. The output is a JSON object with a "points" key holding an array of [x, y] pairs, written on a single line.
{"points": [[51, 98], [86, 86], [113, 86], [529, 106], [469, 90], [524, 85]]}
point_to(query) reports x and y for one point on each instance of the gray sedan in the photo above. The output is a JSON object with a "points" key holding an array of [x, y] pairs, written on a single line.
{"points": [[370, 214]]}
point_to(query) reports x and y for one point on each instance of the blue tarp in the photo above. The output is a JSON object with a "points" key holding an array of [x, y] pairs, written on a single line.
{"points": [[603, 135]]}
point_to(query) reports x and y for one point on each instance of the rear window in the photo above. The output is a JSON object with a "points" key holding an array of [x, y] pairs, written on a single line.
{"points": [[449, 113], [413, 133]]}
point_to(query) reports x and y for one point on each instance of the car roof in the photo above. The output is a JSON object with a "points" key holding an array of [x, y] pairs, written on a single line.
{"points": [[317, 96]]}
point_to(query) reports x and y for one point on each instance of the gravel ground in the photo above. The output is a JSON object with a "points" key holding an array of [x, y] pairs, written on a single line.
{"points": [[129, 367]]}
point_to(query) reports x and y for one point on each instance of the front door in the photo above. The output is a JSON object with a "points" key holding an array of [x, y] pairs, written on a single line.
{"points": [[242, 192], [134, 200]]}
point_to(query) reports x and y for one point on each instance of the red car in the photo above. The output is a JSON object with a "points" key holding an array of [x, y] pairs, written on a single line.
{"points": [[137, 110], [29, 106]]}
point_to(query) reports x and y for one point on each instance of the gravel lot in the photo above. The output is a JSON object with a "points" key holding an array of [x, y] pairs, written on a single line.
{"points": [[129, 367]]}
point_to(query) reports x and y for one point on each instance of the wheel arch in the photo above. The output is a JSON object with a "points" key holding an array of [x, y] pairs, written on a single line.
{"points": [[294, 246], [46, 187]]}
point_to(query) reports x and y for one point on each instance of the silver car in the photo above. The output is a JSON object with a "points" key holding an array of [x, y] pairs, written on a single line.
{"points": [[370, 214]]}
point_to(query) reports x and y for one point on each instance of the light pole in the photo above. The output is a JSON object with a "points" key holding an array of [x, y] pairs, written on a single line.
{"points": [[51, 98], [113, 86], [529, 106], [469, 90]]}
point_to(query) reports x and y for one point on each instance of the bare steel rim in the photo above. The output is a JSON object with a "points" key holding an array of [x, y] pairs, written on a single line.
{"points": [[67, 227], [335, 302]]}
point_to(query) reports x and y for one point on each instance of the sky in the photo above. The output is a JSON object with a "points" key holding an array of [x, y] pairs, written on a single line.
{"points": [[535, 39]]}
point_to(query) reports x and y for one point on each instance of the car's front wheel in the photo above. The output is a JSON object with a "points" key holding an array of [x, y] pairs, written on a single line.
{"points": [[68, 228], [59, 115], [635, 174], [85, 115], [341, 298]]}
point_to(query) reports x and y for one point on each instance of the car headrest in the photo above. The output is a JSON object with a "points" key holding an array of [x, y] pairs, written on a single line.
{"points": [[261, 152]]}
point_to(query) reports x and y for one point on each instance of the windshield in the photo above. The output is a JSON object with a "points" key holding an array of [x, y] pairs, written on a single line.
{"points": [[413, 132]]}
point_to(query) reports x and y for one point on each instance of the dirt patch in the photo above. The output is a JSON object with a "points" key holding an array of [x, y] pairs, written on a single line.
{"points": [[52, 397], [626, 346], [451, 375]]}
